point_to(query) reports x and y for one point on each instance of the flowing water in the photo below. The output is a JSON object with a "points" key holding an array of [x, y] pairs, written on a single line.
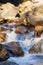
{"points": [[25, 44]]}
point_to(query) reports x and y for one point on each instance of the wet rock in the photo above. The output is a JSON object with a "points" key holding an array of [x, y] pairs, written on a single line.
{"points": [[14, 48], [2, 37], [37, 48], [21, 30], [1, 28], [4, 29], [3, 53]]}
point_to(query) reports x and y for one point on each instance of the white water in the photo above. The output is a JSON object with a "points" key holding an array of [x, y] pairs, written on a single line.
{"points": [[25, 44]]}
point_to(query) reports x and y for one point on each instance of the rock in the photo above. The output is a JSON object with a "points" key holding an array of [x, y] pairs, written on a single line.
{"points": [[1, 29], [8, 12], [25, 9], [21, 30], [2, 37], [37, 48], [14, 48], [3, 53], [38, 30], [25, 6], [33, 16], [4, 29]]}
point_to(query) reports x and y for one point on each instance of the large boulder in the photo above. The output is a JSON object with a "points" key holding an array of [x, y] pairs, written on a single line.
{"points": [[8, 11], [33, 16], [14, 48]]}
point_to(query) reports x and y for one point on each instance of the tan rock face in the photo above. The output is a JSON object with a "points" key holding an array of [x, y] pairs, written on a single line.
{"points": [[23, 9], [8, 11], [31, 11], [2, 37], [38, 30], [25, 6], [36, 16]]}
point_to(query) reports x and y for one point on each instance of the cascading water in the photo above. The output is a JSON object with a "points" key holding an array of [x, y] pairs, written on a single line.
{"points": [[25, 44]]}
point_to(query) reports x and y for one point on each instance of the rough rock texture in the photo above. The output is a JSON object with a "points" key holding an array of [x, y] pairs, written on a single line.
{"points": [[14, 48], [37, 47], [25, 6], [38, 30], [21, 30], [2, 37], [33, 17], [8, 11], [3, 53]]}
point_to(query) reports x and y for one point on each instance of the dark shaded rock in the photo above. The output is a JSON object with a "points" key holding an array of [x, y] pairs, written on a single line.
{"points": [[14, 48], [21, 30], [17, 15], [3, 53], [37, 48], [33, 50]]}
